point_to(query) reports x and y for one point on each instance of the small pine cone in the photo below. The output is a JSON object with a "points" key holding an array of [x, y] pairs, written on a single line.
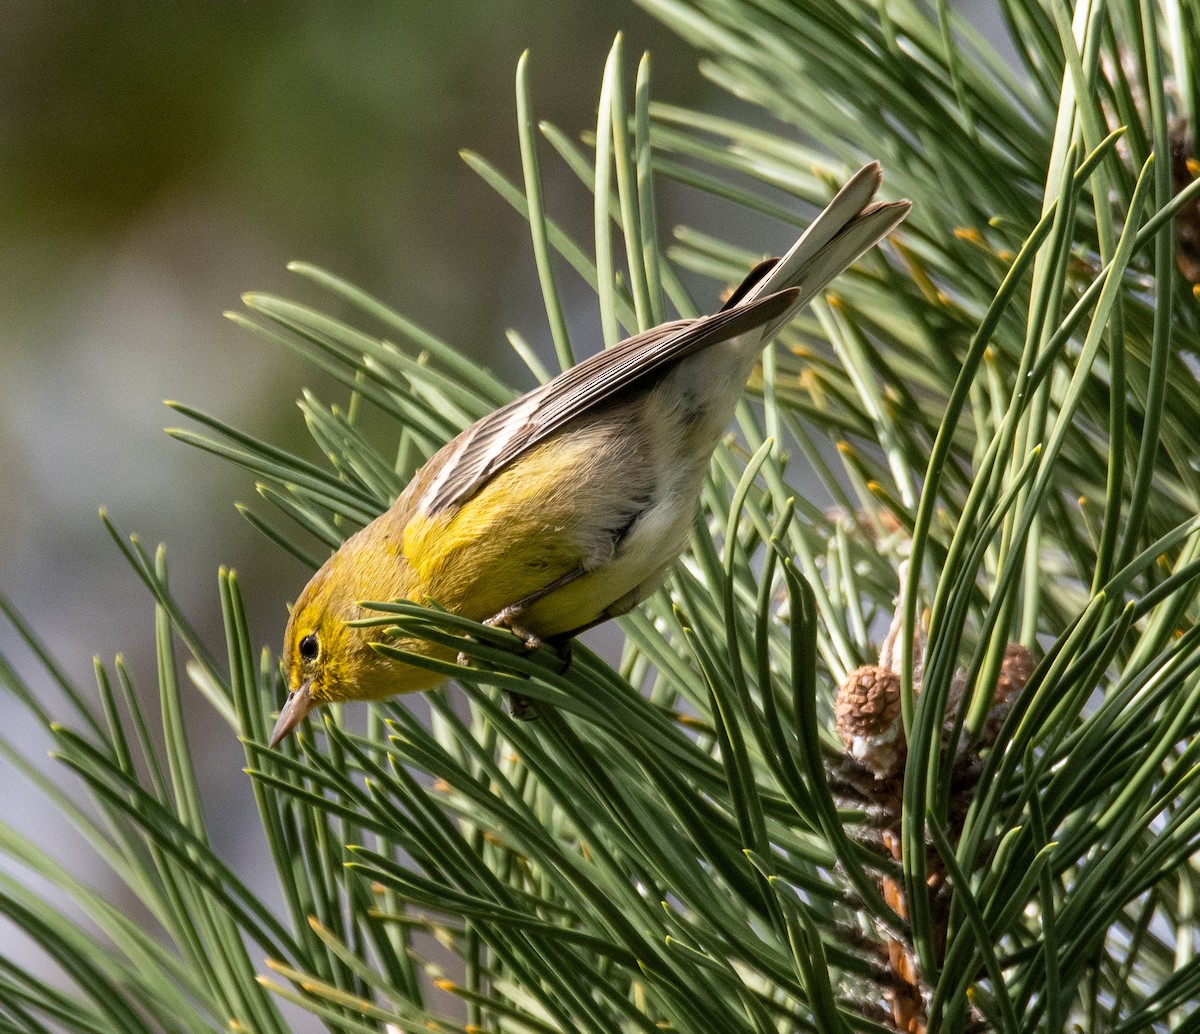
{"points": [[868, 719], [1015, 671]]}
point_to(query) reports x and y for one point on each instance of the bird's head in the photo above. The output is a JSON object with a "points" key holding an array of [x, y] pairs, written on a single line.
{"points": [[321, 653], [327, 658]]}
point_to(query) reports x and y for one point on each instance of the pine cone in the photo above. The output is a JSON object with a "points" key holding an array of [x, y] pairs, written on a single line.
{"points": [[868, 719]]}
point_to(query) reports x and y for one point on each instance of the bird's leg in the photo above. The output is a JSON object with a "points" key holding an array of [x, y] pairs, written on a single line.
{"points": [[614, 610], [521, 707], [562, 641], [510, 616]]}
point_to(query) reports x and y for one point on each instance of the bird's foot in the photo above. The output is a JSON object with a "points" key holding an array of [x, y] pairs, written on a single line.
{"points": [[507, 619], [521, 707]]}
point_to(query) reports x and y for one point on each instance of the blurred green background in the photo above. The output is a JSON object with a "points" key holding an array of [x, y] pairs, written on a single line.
{"points": [[158, 160]]}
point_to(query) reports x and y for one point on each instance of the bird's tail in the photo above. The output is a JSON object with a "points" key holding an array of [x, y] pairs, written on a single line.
{"points": [[850, 225]]}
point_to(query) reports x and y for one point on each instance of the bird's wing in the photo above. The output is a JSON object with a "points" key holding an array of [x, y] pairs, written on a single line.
{"points": [[849, 225], [491, 444]]}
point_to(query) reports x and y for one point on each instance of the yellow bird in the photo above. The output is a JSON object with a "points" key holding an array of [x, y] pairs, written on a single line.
{"points": [[569, 505]]}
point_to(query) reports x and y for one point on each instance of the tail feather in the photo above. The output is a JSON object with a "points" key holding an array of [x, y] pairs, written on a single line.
{"points": [[850, 225]]}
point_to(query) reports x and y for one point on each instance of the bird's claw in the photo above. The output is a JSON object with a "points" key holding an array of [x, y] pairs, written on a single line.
{"points": [[506, 619], [521, 707]]}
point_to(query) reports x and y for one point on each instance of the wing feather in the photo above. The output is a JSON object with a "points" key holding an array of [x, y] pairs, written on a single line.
{"points": [[491, 444], [767, 298]]}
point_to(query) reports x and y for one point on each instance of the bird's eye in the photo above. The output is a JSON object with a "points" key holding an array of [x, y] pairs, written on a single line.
{"points": [[309, 648]]}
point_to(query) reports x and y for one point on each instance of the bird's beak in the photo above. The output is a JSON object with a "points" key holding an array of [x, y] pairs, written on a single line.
{"points": [[297, 705]]}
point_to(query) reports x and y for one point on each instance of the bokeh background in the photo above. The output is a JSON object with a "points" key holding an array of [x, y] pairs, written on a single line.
{"points": [[157, 161]]}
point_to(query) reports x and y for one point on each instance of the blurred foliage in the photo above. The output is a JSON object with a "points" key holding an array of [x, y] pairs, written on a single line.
{"points": [[155, 161]]}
